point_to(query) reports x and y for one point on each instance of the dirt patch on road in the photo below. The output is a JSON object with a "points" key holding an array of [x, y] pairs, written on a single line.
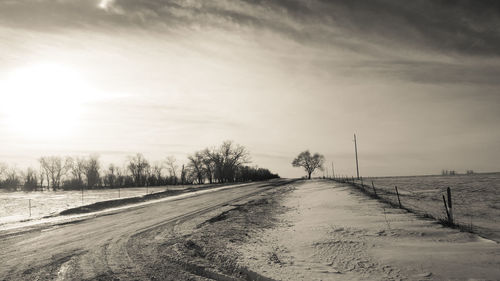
{"points": [[206, 248]]}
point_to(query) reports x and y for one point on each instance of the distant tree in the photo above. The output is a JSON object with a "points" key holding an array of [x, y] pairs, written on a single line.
{"points": [[170, 163], [92, 167], [208, 165], [195, 165], [11, 179], [110, 176], [233, 155], [30, 180], [54, 169], [41, 175], [246, 173], [138, 167], [77, 168], [155, 174], [217, 162], [122, 179], [3, 170], [309, 162], [226, 159], [183, 175], [224, 163]]}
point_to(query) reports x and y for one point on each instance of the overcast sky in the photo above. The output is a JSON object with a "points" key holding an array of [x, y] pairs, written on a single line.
{"points": [[417, 81]]}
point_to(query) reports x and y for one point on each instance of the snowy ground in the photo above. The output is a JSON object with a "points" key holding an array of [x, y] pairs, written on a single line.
{"points": [[283, 230], [15, 206], [334, 233], [476, 198]]}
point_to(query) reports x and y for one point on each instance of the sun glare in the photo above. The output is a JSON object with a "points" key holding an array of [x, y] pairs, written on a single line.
{"points": [[104, 4], [43, 101]]}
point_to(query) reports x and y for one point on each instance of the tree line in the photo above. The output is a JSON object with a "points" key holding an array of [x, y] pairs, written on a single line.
{"points": [[222, 164]]}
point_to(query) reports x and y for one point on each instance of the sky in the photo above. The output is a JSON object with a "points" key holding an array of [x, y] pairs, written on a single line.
{"points": [[417, 81]]}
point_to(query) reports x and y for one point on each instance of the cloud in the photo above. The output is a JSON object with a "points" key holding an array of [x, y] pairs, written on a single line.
{"points": [[447, 27], [430, 72], [463, 27], [421, 41]]}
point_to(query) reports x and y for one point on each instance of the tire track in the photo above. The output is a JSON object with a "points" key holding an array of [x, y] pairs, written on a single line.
{"points": [[115, 255]]}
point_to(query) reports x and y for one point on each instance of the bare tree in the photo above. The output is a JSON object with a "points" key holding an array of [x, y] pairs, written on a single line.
{"points": [[234, 155], [138, 166], [208, 165], [183, 175], [77, 167], [148, 173], [30, 180], [156, 173], [92, 167], [41, 175], [121, 176], [44, 165], [11, 179], [309, 162], [196, 166], [172, 168], [226, 159], [110, 177], [54, 169]]}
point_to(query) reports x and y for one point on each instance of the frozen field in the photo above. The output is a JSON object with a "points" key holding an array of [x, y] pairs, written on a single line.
{"points": [[476, 198], [15, 206]]}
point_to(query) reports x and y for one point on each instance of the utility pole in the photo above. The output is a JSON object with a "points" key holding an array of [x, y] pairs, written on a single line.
{"points": [[356, 151], [333, 172]]}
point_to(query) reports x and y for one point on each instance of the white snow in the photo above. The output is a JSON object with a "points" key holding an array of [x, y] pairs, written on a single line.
{"points": [[334, 233]]}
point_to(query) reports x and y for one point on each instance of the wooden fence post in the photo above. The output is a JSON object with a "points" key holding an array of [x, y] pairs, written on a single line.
{"points": [[374, 191], [446, 208], [397, 193]]}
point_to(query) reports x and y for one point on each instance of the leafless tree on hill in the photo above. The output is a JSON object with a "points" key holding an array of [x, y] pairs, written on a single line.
{"points": [[309, 162]]}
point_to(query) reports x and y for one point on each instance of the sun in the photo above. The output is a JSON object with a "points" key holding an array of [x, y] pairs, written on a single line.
{"points": [[43, 101]]}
